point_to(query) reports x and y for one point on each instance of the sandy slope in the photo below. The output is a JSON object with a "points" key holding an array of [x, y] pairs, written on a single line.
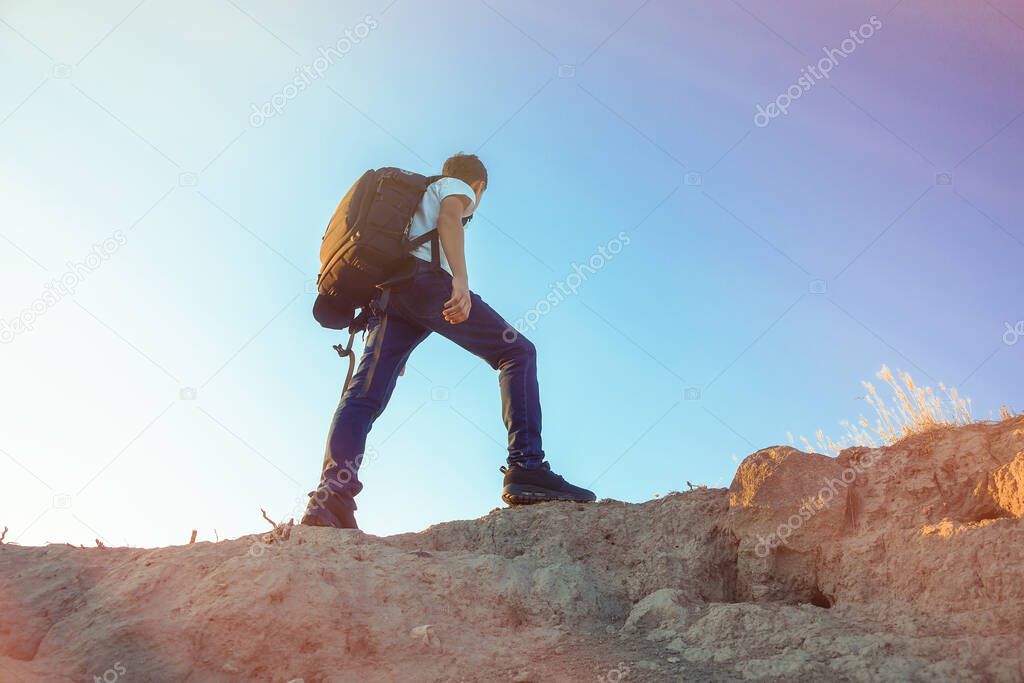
{"points": [[905, 563]]}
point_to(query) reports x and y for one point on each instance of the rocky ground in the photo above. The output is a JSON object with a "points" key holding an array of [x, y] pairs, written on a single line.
{"points": [[903, 563]]}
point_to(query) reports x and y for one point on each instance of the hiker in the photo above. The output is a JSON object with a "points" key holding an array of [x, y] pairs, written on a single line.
{"points": [[427, 292]]}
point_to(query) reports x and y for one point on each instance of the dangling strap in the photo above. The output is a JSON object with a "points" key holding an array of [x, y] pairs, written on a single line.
{"points": [[346, 351], [359, 323]]}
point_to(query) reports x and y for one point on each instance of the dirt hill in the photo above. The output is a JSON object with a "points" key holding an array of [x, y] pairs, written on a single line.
{"points": [[903, 563]]}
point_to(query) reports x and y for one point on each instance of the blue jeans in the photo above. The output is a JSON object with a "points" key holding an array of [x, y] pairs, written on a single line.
{"points": [[413, 312]]}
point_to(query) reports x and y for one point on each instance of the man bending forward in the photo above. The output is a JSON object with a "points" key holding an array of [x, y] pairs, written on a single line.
{"points": [[439, 300]]}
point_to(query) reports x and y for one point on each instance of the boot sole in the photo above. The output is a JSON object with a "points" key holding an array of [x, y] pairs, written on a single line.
{"points": [[519, 494], [318, 521]]}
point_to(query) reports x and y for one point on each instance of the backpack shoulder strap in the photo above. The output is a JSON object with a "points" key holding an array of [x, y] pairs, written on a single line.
{"points": [[435, 249], [432, 236]]}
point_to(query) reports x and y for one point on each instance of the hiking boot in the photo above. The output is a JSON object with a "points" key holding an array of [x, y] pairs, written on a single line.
{"points": [[523, 487], [331, 512]]}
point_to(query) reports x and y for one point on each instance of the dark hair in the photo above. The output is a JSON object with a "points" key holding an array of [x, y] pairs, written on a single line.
{"points": [[466, 167]]}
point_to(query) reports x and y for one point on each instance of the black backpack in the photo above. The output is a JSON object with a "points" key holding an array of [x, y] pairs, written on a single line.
{"points": [[367, 242]]}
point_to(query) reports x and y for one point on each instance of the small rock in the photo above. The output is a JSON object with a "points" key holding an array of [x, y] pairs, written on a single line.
{"points": [[230, 668], [659, 634], [677, 645], [560, 650], [523, 677], [426, 636], [673, 660], [647, 665], [297, 680], [724, 654], [660, 608], [609, 629]]}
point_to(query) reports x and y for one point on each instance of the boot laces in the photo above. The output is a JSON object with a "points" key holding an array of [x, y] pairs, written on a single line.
{"points": [[544, 466]]}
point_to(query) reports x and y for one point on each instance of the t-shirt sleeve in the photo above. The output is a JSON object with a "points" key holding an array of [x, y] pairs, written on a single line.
{"points": [[446, 187]]}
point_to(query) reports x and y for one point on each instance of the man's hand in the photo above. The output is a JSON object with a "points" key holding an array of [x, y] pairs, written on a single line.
{"points": [[456, 309]]}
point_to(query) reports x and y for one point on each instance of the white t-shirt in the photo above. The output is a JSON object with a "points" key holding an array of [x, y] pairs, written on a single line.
{"points": [[425, 219]]}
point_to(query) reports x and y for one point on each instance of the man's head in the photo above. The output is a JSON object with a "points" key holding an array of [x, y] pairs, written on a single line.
{"points": [[469, 169]]}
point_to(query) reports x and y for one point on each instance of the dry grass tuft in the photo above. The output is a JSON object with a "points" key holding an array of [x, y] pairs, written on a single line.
{"points": [[913, 410], [1006, 412]]}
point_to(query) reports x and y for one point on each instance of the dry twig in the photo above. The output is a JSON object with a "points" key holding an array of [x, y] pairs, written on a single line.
{"points": [[3, 535], [280, 532]]}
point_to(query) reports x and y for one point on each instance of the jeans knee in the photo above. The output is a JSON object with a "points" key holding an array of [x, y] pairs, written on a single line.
{"points": [[521, 350], [358, 408], [527, 349]]}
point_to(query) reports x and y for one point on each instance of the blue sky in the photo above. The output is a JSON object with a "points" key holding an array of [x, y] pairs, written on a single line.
{"points": [[769, 269]]}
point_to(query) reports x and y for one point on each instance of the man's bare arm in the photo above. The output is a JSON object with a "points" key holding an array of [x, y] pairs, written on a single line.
{"points": [[453, 239]]}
